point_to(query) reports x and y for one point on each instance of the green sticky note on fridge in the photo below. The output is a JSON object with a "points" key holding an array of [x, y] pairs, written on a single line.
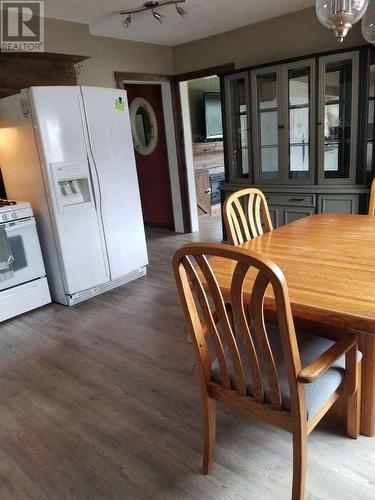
{"points": [[120, 105]]}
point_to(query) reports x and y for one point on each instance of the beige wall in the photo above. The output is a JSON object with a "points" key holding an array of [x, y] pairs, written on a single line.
{"points": [[287, 36], [107, 54]]}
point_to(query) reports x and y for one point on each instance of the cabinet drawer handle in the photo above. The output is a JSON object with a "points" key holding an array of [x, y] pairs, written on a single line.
{"points": [[297, 199]]}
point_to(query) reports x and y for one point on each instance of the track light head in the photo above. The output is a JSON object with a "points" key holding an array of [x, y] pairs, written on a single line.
{"points": [[126, 22], [157, 16], [180, 10]]}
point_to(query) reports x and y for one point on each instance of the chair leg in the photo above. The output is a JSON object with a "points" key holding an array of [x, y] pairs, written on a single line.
{"points": [[209, 432], [299, 463], [353, 409]]}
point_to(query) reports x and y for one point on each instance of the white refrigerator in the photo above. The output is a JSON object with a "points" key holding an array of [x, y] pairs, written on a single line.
{"points": [[69, 151]]}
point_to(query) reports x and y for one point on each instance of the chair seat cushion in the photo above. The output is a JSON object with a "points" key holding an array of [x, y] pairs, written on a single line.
{"points": [[310, 347]]}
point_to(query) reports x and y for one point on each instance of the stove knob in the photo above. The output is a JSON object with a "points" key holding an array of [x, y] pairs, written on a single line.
{"points": [[14, 215], [4, 217]]}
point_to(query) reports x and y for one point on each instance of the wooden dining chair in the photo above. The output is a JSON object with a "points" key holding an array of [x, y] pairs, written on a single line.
{"points": [[371, 210], [246, 215], [265, 371]]}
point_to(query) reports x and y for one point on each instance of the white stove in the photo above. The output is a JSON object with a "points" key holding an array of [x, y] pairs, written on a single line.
{"points": [[14, 210], [23, 282]]}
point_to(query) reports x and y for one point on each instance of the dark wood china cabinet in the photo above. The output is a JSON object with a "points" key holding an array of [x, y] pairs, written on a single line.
{"points": [[303, 132]]}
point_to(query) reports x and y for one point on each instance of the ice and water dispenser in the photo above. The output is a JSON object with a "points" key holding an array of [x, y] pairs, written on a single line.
{"points": [[72, 185]]}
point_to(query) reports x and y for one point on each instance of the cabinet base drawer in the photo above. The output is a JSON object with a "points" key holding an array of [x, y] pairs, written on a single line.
{"points": [[304, 200]]}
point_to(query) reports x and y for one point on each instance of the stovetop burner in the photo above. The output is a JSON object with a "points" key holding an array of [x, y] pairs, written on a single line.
{"points": [[7, 203]]}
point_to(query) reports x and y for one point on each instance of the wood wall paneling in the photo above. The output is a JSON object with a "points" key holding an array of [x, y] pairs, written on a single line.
{"points": [[19, 71]]}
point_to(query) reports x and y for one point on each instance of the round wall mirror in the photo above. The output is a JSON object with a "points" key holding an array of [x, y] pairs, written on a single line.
{"points": [[144, 126]]}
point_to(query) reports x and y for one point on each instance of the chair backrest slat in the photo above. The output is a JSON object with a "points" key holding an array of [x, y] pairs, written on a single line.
{"points": [[250, 214], [209, 324], [243, 349], [224, 322], [193, 319], [235, 229], [371, 210], [240, 222], [241, 321], [257, 317], [257, 215], [241, 227]]}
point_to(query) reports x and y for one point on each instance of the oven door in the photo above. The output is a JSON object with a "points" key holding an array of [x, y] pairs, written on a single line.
{"points": [[24, 244]]}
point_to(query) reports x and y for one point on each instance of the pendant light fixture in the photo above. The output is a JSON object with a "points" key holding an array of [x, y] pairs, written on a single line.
{"points": [[368, 23], [340, 15]]}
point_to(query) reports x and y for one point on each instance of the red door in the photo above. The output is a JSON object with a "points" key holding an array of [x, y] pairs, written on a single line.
{"points": [[153, 168]]}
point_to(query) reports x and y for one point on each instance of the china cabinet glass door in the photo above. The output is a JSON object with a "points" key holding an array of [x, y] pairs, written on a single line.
{"points": [[299, 86], [268, 127], [370, 125], [283, 117], [338, 116], [237, 105]]}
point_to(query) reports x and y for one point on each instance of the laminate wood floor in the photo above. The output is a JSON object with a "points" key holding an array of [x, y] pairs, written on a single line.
{"points": [[101, 401]]}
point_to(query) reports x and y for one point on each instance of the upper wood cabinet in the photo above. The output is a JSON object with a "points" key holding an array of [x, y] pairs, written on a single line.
{"points": [[296, 123]]}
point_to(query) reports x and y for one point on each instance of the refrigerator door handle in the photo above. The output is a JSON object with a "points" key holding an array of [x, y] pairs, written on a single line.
{"points": [[96, 185], [98, 204]]}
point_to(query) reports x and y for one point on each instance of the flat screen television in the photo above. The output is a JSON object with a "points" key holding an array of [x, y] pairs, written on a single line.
{"points": [[212, 111]]}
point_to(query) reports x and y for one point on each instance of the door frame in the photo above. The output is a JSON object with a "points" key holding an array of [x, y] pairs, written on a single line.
{"points": [[180, 223], [181, 170]]}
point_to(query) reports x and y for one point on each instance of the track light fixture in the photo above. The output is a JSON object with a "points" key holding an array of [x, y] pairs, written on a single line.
{"points": [[126, 22], [152, 6]]}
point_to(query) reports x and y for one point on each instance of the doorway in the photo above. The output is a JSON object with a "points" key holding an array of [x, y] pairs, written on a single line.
{"points": [[151, 154], [203, 134], [178, 136]]}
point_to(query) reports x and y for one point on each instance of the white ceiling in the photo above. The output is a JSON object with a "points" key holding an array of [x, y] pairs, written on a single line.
{"points": [[205, 17]]}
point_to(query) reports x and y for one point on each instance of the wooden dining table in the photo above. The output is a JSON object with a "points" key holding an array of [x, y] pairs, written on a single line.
{"points": [[329, 264]]}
